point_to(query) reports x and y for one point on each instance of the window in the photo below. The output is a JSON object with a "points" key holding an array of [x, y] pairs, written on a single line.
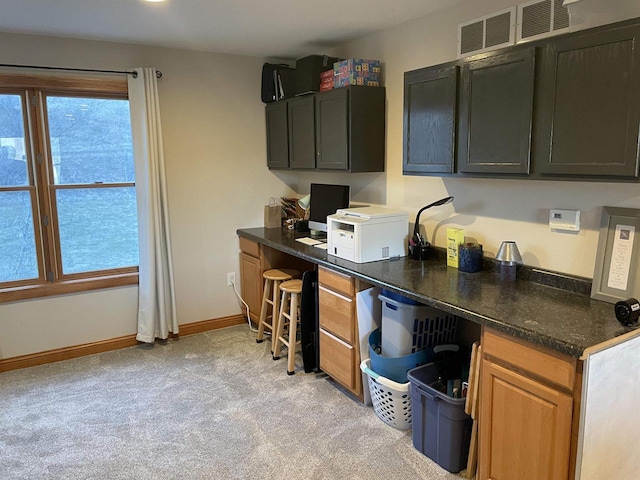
{"points": [[68, 219]]}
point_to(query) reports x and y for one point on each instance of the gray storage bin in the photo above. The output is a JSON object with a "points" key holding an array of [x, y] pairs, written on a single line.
{"points": [[440, 428]]}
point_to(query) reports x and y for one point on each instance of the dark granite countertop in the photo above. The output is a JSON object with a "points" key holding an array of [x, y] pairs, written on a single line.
{"points": [[559, 318]]}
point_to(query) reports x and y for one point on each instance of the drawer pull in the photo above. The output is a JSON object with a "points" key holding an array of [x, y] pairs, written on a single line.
{"points": [[324, 289]]}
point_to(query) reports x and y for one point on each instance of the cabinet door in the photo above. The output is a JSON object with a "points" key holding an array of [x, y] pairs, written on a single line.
{"points": [[302, 145], [525, 427], [332, 129], [589, 113], [430, 120], [277, 135], [496, 106], [251, 284]]}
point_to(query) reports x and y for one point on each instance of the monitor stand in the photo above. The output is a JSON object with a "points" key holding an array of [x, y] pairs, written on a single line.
{"points": [[318, 234]]}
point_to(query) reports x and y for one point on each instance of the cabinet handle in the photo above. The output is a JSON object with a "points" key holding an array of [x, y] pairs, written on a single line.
{"points": [[335, 294]]}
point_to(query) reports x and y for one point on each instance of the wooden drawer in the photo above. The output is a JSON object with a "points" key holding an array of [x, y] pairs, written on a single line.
{"points": [[539, 361], [337, 359], [249, 247], [336, 281], [337, 314]]}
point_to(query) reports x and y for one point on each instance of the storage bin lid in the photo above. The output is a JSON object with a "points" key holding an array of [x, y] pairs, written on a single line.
{"points": [[399, 298]]}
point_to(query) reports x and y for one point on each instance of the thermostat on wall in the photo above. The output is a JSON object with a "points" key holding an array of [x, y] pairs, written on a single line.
{"points": [[565, 220]]}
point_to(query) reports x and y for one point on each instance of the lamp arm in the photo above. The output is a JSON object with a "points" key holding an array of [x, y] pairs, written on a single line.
{"points": [[416, 226]]}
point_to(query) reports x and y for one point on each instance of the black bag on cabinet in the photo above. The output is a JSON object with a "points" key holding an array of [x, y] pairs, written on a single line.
{"points": [[277, 82]]}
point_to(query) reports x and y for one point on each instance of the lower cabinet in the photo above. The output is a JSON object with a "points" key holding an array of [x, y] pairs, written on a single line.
{"points": [[526, 410], [339, 347], [251, 277], [255, 259]]}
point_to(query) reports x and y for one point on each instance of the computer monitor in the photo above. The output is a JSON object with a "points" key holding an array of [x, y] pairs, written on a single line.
{"points": [[326, 200]]}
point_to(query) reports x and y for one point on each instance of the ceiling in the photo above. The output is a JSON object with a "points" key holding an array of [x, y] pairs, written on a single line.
{"points": [[263, 28]]}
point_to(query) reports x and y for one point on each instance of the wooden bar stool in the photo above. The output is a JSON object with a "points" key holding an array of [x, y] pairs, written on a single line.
{"points": [[291, 290], [271, 296]]}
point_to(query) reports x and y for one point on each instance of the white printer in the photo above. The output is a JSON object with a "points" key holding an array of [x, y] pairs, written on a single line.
{"points": [[367, 234]]}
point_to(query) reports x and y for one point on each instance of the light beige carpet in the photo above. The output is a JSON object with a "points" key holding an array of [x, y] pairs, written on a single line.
{"points": [[207, 406]]}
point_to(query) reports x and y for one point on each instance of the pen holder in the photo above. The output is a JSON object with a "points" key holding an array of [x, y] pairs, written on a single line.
{"points": [[420, 252], [470, 258]]}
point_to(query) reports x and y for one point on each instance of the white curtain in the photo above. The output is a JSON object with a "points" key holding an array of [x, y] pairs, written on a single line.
{"points": [[156, 297]]}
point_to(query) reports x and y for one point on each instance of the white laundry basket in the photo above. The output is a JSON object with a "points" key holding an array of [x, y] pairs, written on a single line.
{"points": [[391, 400]]}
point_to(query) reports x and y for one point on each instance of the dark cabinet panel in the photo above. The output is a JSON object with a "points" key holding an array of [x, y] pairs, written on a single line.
{"points": [[589, 113], [332, 130], [350, 129], [277, 135], [496, 108], [430, 120], [302, 146]]}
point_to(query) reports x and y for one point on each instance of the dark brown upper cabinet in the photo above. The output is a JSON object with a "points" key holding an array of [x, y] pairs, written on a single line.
{"points": [[588, 116], [430, 104], [350, 129], [496, 108], [560, 108], [302, 146], [338, 130], [277, 135]]}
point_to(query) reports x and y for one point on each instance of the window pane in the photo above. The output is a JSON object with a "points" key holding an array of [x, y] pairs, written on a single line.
{"points": [[98, 228], [13, 165], [90, 140], [18, 260]]}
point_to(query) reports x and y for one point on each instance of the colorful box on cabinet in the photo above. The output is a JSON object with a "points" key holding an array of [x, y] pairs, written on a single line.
{"points": [[357, 71], [455, 237], [326, 80]]}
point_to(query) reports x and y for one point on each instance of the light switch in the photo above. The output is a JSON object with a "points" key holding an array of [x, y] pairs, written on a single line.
{"points": [[564, 220]]}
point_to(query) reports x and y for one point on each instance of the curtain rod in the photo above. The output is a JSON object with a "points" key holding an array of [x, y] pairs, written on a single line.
{"points": [[121, 72]]}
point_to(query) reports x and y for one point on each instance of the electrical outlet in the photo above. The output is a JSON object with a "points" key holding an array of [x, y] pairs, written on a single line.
{"points": [[231, 278]]}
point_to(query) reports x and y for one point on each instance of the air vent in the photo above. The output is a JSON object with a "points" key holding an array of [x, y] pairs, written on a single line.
{"points": [[540, 19], [487, 33]]}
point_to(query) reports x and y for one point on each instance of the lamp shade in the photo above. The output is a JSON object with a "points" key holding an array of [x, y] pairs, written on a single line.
{"points": [[508, 253], [304, 202]]}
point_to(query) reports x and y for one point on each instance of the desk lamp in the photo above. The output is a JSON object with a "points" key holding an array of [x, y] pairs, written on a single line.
{"points": [[302, 225], [418, 246], [304, 205]]}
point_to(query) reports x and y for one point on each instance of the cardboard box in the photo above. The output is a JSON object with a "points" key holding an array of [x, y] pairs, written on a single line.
{"points": [[455, 237], [357, 71], [328, 85], [326, 76]]}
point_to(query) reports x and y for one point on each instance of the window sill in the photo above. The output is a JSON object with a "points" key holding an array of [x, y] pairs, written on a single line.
{"points": [[64, 287]]}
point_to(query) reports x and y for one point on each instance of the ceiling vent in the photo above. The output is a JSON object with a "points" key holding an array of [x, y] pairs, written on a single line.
{"points": [[540, 19], [487, 33]]}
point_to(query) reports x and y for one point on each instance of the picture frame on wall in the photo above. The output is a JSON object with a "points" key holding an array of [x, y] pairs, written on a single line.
{"points": [[617, 270]]}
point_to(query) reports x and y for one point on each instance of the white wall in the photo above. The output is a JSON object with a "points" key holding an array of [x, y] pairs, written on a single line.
{"points": [[215, 147], [490, 210]]}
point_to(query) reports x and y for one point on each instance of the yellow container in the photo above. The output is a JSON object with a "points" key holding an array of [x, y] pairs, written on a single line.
{"points": [[455, 237]]}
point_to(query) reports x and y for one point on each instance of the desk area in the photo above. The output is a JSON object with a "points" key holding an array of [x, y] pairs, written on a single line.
{"points": [[563, 320], [540, 335]]}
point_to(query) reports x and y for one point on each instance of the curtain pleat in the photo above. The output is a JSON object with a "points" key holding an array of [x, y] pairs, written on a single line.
{"points": [[156, 298]]}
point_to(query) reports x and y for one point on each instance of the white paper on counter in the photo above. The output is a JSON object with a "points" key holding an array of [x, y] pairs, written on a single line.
{"points": [[369, 312]]}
